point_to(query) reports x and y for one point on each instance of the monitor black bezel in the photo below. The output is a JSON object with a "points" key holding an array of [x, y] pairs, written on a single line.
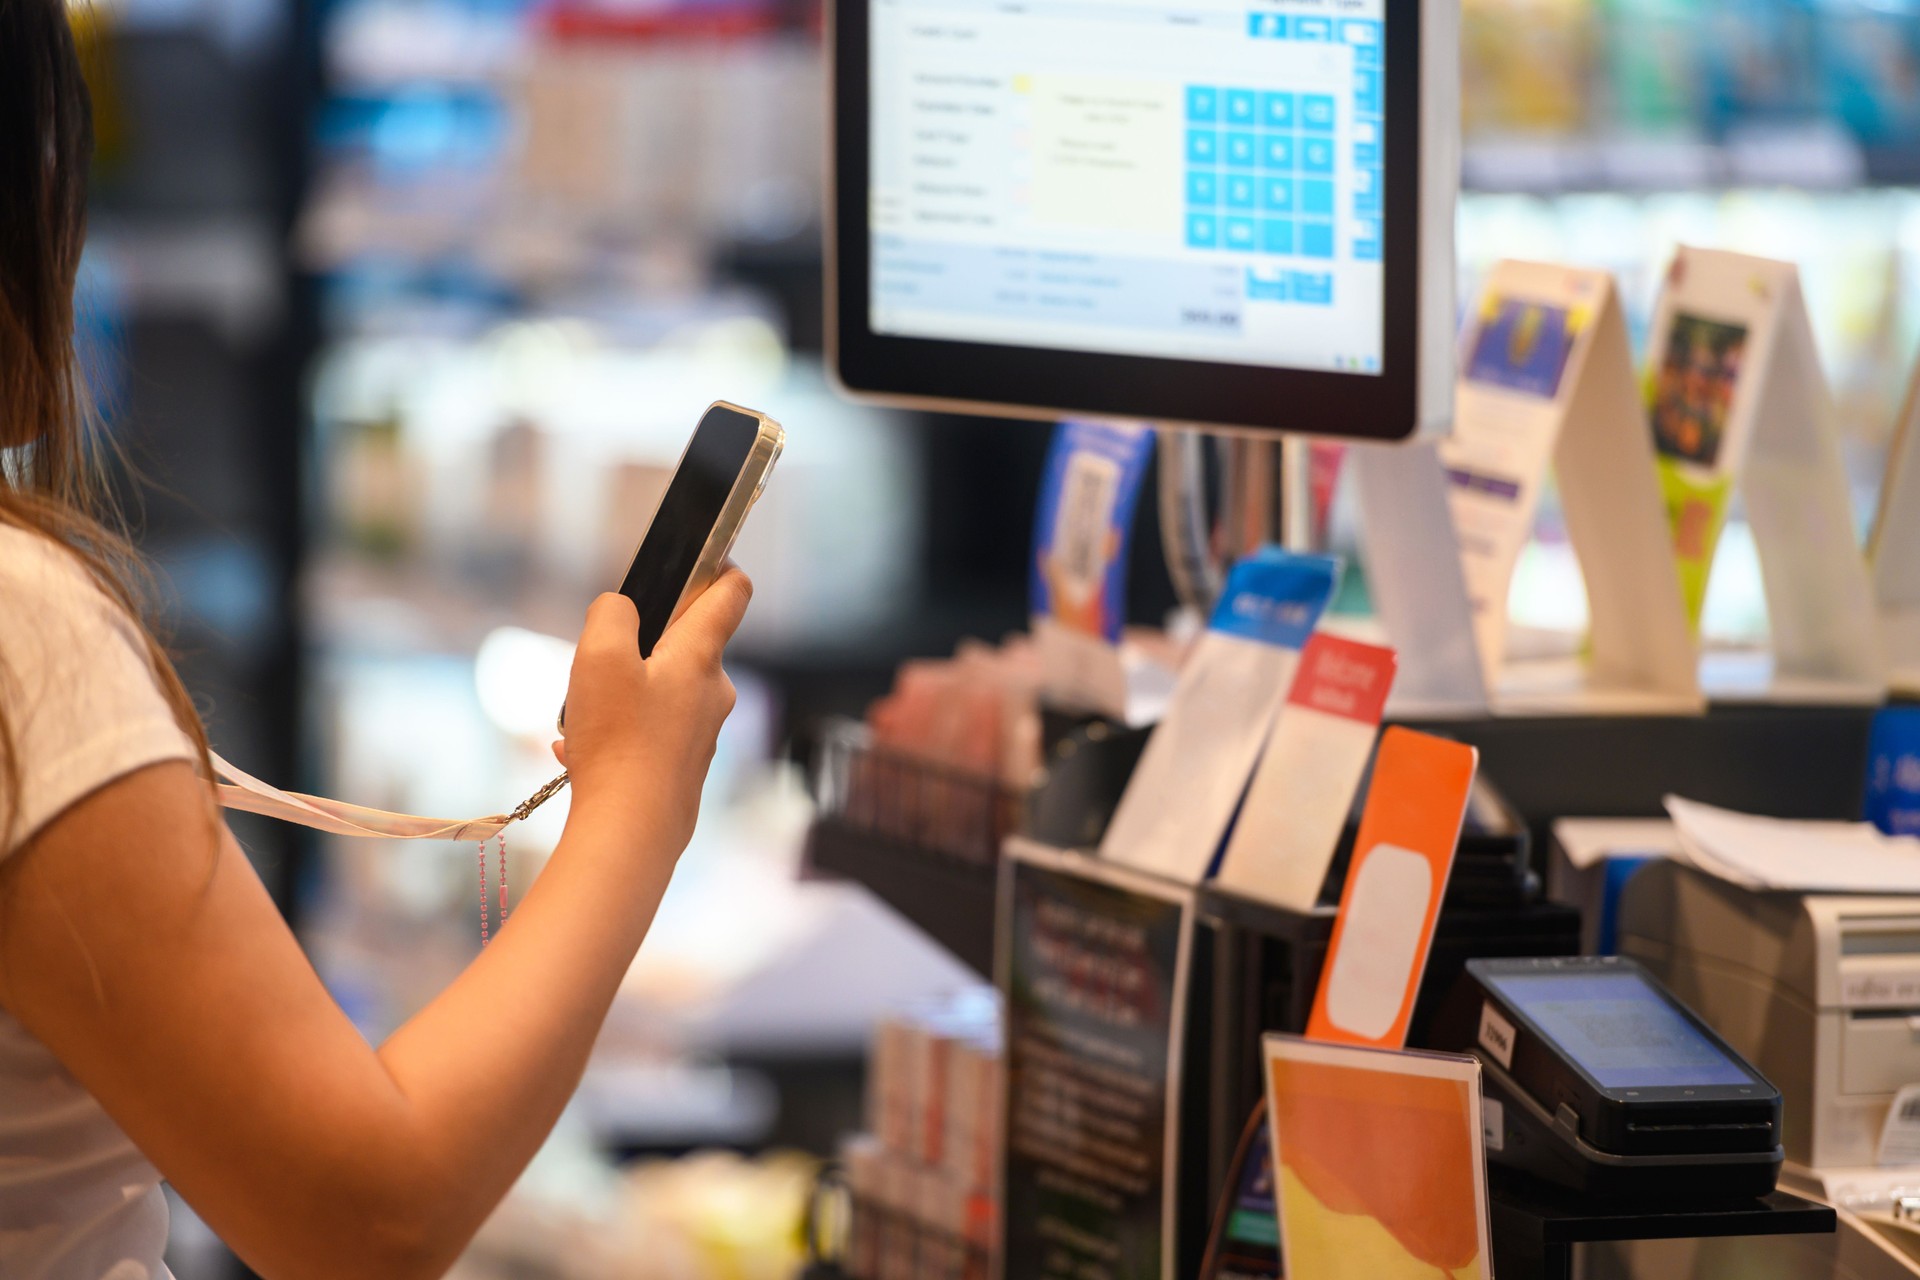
{"points": [[1047, 383]]}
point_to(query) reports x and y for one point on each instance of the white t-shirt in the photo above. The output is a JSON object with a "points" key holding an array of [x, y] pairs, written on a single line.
{"points": [[77, 1200]]}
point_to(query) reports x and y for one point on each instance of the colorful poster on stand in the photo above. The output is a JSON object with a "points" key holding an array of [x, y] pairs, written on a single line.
{"points": [[1084, 523], [1737, 397], [1548, 382], [1379, 1161], [1523, 345], [1690, 396], [1077, 584], [1507, 419], [1093, 964]]}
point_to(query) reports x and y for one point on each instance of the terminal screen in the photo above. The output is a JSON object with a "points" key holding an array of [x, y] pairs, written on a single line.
{"points": [[1619, 1030], [1186, 179]]}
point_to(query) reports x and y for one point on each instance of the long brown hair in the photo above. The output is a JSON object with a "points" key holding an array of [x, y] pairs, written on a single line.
{"points": [[53, 477]]}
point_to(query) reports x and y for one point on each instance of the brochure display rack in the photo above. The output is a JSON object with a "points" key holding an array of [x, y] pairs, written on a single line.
{"points": [[1253, 968], [1896, 532], [1548, 382], [1547, 386], [1739, 403]]}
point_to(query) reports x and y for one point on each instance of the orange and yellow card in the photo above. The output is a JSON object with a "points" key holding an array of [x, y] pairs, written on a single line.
{"points": [[1378, 1155], [1379, 1162], [1401, 862]]}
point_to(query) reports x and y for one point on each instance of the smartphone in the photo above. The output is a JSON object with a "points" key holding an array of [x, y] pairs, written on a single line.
{"points": [[686, 544]]}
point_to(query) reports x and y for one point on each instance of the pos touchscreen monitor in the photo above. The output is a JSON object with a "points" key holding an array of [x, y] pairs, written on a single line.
{"points": [[1226, 213]]}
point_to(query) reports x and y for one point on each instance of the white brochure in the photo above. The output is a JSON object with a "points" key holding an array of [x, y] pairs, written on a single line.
{"points": [[1895, 548], [1298, 802], [1184, 791], [1737, 397], [1547, 380]]}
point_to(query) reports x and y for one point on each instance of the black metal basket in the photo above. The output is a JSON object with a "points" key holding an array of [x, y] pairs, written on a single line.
{"points": [[916, 804]]}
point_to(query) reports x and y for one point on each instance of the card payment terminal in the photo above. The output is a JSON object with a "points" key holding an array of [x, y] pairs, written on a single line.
{"points": [[1596, 1078]]}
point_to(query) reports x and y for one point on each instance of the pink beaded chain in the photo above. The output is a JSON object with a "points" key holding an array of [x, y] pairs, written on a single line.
{"points": [[503, 878], [527, 806], [483, 886], [483, 893]]}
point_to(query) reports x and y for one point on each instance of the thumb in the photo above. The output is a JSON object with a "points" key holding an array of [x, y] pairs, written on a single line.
{"points": [[703, 630], [612, 623]]}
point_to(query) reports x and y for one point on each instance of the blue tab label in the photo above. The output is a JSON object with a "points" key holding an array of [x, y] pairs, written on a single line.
{"points": [[1893, 771], [1276, 597]]}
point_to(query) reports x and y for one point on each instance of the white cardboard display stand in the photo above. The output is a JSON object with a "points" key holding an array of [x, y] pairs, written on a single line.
{"points": [[1447, 522], [1895, 554], [1547, 380], [1772, 436], [1415, 576]]}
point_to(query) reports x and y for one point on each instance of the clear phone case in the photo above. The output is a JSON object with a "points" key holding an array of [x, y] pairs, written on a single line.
{"points": [[746, 490]]}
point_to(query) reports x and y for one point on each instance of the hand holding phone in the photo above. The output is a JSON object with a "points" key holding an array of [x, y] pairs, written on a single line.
{"points": [[692, 532], [721, 473]]}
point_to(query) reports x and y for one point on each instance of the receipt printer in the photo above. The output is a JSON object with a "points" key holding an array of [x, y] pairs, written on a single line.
{"points": [[1820, 992], [1596, 1078]]}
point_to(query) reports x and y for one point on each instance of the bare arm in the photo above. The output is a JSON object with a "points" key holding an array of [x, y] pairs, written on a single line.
{"points": [[137, 944]]}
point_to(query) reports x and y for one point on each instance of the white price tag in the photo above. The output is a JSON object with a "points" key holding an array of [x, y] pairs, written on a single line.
{"points": [[1496, 1035]]}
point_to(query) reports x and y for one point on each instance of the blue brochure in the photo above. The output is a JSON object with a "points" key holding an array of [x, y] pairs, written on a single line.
{"points": [[1084, 525], [1893, 771], [1275, 597]]}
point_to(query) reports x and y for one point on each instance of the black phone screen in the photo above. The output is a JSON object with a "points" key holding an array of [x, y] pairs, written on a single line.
{"points": [[1618, 1029], [686, 516]]}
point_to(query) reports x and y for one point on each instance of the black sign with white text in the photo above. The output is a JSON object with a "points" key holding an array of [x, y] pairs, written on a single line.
{"points": [[1094, 974]]}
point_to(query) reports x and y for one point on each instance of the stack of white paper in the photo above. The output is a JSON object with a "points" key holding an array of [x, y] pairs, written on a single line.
{"points": [[1808, 857]]}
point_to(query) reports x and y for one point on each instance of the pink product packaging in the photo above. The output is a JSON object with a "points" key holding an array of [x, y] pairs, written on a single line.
{"points": [[973, 1103], [892, 1104], [860, 1156], [899, 1234], [942, 1219]]}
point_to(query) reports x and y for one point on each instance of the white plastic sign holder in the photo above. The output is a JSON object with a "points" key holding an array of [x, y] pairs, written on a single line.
{"points": [[1547, 381], [1414, 575], [1738, 400], [1894, 552]]}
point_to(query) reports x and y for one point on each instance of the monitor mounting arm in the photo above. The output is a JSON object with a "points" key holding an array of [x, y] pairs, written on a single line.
{"points": [[1264, 496]]}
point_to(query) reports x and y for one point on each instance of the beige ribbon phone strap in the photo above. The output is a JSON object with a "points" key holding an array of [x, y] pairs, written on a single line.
{"points": [[241, 790]]}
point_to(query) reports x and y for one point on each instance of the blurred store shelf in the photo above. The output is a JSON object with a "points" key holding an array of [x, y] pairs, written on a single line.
{"points": [[1818, 156], [949, 899], [225, 270]]}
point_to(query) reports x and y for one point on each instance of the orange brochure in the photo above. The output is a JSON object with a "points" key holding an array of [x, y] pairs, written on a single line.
{"points": [[1379, 1162], [1401, 862]]}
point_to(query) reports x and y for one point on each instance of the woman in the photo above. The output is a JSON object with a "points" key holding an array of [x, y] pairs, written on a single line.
{"points": [[157, 1018]]}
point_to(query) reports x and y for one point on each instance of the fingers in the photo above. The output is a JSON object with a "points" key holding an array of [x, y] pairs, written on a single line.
{"points": [[710, 621], [612, 623]]}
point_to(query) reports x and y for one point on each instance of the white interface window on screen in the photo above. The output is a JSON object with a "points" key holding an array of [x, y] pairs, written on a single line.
{"points": [[1190, 179]]}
